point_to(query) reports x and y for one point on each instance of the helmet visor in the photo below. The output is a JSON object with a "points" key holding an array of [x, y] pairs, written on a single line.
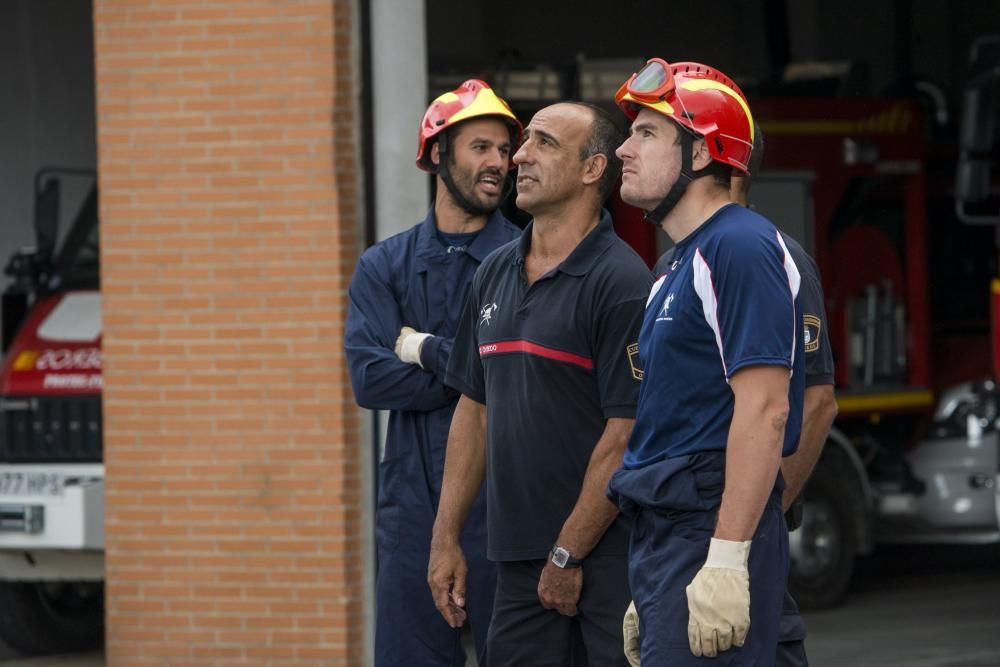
{"points": [[652, 83]]}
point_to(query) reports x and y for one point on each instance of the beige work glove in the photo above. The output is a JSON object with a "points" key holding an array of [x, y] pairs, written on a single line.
{"points": [[630, 628], [719, 599], [408, 345]]}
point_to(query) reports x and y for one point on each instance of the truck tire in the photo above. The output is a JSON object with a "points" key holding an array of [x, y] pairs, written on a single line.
{"points": [[824, 547], [38, 618]]}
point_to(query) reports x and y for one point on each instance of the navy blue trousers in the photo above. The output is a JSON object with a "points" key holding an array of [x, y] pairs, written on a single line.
{"points": [[674, 505], [409, 630], [791, 636]]}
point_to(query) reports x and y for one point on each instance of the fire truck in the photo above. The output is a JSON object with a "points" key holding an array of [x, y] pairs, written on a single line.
{"points": [[903, 227], [51, 471]]}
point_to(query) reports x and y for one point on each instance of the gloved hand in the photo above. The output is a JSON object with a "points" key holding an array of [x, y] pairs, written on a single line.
{"points": [[719, 599], [408, 345], [630, 628]]}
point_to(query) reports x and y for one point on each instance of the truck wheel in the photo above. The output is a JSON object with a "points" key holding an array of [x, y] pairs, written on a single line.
{"points": [[51, 616], [822, 550]]}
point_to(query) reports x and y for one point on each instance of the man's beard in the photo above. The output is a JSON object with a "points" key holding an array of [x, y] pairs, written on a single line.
{"points": [[476, 202]]}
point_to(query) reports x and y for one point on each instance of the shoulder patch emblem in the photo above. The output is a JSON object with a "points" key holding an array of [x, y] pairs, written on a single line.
{"points": [[812, 325], [633, 360]]}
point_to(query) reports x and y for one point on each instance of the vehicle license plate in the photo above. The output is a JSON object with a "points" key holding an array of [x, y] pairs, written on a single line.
{"points": [[31, 484]]}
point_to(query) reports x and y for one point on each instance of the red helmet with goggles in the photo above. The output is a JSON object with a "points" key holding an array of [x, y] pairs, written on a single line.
{"points": [[473, 99], [699, 98]]}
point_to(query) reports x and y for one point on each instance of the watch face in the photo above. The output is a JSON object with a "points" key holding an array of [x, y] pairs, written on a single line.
{"points": [[560, 557]]}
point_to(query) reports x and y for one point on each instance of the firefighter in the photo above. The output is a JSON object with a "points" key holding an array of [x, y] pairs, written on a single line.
{"points": [[545, 350], [721, 348], [404, 304], [818, 412]]}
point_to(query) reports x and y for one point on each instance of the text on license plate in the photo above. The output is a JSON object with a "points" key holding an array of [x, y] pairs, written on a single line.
{"points": [[31, 484]]}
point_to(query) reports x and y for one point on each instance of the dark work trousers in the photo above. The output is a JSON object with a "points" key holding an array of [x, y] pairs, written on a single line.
{"points": [[792, 631], [675, 504], [409, 629], [525, 634], [791, 636]]}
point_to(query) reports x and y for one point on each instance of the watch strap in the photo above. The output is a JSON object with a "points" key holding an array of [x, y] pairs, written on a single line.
{"points": [[555, 557]]}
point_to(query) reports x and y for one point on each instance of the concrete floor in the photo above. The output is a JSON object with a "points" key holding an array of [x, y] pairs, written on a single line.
{"points": [[914, 606]]}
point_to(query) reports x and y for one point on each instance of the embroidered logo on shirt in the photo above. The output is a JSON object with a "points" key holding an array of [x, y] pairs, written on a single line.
{"points": [[665, 315], [633, 360], [487, 313], [812, 325]]}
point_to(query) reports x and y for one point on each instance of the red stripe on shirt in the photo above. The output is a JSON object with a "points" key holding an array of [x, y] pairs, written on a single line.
{"points": [[505, 346]]}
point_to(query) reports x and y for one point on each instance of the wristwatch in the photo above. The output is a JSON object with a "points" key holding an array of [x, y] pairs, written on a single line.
{"points": [[560, 558]]}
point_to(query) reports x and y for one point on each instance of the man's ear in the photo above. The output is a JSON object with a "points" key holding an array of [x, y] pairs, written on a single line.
{"points": [[435, 154], [594, 168], [700, 157]]}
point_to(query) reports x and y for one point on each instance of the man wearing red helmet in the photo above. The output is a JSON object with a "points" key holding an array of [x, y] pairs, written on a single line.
{"points": [[405, 300], [818, 410], [721, 400]]}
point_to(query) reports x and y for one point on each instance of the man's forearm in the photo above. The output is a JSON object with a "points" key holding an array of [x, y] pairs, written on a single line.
{"points": [[753, 449], [464, 469], [818, 413], [593, 512]]}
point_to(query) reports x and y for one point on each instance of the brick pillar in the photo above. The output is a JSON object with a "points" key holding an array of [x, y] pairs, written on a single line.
{"points": [[229, 201]]}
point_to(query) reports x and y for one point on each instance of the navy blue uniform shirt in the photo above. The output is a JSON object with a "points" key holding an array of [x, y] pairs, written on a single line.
{"points": [[818, 355], [551, 362], [411, 279], [728, 301]]}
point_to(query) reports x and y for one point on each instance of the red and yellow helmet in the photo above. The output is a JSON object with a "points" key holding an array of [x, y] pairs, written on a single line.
{"points": [[699, 98], [473, 99]]}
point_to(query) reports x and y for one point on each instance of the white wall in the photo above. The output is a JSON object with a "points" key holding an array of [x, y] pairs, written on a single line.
{"points": [[399, 94], [399, 98]]}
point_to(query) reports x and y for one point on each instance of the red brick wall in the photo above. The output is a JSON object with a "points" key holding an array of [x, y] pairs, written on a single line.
{"points": [[230, 223]]}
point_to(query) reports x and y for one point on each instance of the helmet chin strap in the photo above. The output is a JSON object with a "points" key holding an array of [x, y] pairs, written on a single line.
{"points": [[680, 186], [460, 199]]}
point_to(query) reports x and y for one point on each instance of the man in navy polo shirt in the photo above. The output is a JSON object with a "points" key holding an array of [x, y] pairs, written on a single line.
{"points": [[721, 400], [546, 362], [405, 302]]}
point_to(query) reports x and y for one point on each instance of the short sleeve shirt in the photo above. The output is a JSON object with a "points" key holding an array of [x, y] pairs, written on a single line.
{"points": [[818, 354], [727, 301], [552, 362]]}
